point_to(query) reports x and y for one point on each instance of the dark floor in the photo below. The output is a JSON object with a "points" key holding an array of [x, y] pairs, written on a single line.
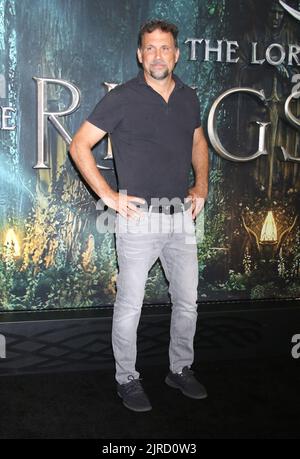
{"points": [[256, 399]]}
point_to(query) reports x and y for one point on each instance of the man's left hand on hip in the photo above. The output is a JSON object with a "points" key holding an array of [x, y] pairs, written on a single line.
{"points": [[198, 201]]}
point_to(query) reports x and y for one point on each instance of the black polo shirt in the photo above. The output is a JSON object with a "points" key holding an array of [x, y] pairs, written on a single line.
{"points": [[151, 139]]}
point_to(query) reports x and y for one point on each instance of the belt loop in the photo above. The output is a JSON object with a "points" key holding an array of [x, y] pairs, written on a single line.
{"points": [[150, 210]]}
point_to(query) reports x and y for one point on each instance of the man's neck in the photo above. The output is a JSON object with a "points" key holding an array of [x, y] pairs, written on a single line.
{"points": [[163, 87]]}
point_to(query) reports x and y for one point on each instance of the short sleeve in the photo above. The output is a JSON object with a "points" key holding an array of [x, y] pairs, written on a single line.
{"points": [[197, 111], [108, 113]]}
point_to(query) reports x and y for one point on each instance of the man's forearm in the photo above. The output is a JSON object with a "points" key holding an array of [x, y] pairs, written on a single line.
{"points": [[86, 164], [200, 162]]}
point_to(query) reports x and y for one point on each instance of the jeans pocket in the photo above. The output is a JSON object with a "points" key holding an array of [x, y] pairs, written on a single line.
{"points": [[132, 225], [189, 222]]}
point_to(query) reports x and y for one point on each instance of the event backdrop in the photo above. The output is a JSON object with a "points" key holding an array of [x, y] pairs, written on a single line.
{"points": [[51, 254]]}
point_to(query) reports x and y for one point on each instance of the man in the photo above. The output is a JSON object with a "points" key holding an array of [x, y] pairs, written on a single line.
{"points": [[154, 123]]}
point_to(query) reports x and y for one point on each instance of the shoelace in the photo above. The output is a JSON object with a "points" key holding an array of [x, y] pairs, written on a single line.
{"points": [[134, 385], [186, 372]]}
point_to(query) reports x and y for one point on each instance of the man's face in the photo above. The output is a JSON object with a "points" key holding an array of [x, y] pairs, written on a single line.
{"points": [[158, 54]]}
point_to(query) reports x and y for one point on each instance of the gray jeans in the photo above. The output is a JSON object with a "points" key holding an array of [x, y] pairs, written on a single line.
{"points": [[139, 243]]}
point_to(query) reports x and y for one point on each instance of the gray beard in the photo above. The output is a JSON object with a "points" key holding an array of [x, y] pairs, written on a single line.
{"points": [[161, 76]]}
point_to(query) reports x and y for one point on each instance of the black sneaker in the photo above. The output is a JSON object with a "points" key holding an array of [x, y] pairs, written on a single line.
{"points": [[187, 383], [133, 395]]}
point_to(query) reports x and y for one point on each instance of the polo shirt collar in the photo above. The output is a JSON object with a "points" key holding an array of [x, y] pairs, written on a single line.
{"points": [[141, 79]]}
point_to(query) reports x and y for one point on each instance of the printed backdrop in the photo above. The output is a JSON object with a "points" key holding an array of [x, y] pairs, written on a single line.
{"points": [[51, 255]]}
